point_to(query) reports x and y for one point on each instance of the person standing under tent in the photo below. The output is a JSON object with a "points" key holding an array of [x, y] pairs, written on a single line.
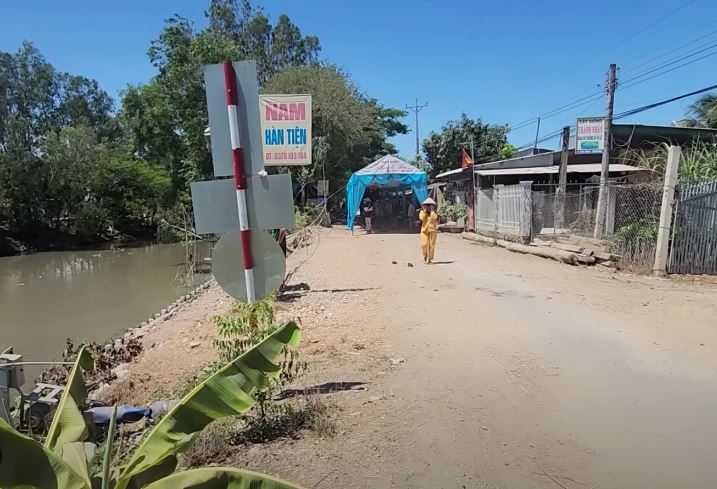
{"points": [[411, 214], [368, 213], [429, 229]]}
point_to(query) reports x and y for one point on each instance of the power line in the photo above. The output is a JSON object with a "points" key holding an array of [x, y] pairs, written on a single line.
{"points": [[482, 22], [655, 58], [597, 95], [626, 84], [629, 112], [647, 27], [514, 21], [637, 110], [671, 62], [652, 51]]}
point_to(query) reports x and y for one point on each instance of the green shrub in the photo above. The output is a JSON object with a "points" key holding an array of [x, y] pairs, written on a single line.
{"points": [[91, 220], [241, 330], [453, 212]]}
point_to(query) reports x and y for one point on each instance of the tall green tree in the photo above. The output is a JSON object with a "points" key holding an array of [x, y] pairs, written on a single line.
{"points": [[443, 149], [64, 163], [274, 47], [39, 107], [165, 118], [72, 159], [348, 129]]}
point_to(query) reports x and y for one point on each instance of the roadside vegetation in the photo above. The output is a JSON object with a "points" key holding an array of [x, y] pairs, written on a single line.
{"points": [[77, 167], [66, 457], [698, 161]]}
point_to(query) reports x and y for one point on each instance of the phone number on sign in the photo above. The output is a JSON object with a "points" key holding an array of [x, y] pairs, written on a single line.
{"points": [[285, 156]]}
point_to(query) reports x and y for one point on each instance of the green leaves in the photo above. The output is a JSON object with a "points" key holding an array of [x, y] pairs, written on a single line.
{"points": [[68, 424], [24, 463], [225, 393], [443, 149], [221, 478]]}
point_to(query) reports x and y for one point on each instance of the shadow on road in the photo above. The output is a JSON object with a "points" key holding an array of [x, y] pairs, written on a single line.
{"points": [[291, 293], [325, 388]]}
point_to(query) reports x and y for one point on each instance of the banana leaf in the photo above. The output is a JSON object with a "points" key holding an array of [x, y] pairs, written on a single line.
{"points": [[220, 478], [75, 455], [227, 392], [68, 425], [26, 463]]}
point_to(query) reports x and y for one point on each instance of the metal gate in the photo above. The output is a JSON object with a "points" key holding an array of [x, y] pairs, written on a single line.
{"points": [[694, 230]]}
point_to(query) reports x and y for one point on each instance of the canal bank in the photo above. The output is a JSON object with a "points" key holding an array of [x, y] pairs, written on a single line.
{"points": [[92, 295]]}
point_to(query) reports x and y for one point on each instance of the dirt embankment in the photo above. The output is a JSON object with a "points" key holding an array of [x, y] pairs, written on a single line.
{"points": [[487, 369], [47, 239]]}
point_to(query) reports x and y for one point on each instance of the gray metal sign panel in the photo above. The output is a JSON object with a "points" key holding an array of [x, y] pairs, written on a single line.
{"points": [[272, 202], [248, 112], [228, 265], [270, 198], [215, 206]]}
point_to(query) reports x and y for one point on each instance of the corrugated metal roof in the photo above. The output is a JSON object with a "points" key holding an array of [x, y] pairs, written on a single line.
{"points": [[543, 170], [448, 173]]}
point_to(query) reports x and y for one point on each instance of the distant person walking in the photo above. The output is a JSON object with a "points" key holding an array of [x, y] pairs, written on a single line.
{"points": [[429, 229], [368, 213]]}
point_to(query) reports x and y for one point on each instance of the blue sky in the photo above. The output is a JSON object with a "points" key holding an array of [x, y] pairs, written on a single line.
{"points": [[503, 61]]}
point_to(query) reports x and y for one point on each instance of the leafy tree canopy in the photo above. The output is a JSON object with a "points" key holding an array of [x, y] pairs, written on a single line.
{"points": [[443, 149], [348, 129]]}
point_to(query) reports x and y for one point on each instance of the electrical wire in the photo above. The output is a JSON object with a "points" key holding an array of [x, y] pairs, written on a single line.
{"points": [[643, 108], [640, 78], [631, 67], [597, 95], [647, 27], [487, 17], [671, 62], [627, 113]]}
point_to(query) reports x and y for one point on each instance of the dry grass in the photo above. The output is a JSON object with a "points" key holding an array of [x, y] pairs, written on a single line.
{"points": [[221, 440], [213, 445]]}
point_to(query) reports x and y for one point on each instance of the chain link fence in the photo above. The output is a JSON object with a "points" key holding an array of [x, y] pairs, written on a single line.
{"points": [[632, 215]]}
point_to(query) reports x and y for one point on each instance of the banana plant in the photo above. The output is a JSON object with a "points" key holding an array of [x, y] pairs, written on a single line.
{"points": [[62, 461]]}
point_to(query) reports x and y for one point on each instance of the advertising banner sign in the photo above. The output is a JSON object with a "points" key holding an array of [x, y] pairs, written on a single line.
{"points": [[590, 135], [285, 129]]}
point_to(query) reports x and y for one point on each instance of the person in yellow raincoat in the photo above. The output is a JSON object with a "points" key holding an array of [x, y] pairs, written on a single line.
{"points": [[429, 229]]}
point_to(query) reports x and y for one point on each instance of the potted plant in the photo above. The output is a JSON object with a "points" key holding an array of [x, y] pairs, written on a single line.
{"points": [[450, 214]]}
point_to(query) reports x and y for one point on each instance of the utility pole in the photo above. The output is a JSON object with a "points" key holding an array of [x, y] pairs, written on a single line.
{"points": [[659, 269], [416, 109], [562, 182], [607, 142], [470, 194], [537, 133]]}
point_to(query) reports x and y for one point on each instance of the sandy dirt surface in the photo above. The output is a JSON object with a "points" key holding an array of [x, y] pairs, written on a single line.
{"points": [[486, 369]]}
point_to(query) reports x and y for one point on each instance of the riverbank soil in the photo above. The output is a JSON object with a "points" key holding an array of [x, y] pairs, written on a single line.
{"points": [[486, 369]]}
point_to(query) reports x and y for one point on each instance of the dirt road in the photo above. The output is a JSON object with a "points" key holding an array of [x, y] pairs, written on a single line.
{"points": [[486, 369], [518, 372]]}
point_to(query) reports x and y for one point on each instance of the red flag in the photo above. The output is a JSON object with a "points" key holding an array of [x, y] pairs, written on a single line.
{"points": [[466, 160]]}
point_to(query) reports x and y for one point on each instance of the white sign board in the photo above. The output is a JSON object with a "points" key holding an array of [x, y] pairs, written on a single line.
{"points": [[285, 129], [322, 188], [590, 135]]}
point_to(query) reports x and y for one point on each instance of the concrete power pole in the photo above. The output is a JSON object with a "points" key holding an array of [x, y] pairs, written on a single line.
{"points": [[416, 109], [605, 170], [563, 180], [668, 199]]}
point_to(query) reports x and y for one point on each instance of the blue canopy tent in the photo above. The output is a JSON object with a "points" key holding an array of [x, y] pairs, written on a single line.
{"points": [[387, 170]]}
